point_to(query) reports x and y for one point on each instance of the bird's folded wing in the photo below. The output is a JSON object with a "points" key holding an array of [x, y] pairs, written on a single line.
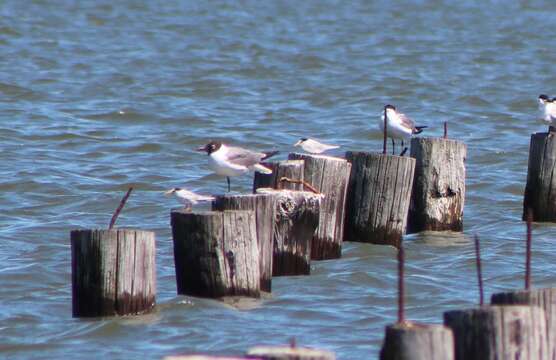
{"points": [[406, 121], [243, 157]]}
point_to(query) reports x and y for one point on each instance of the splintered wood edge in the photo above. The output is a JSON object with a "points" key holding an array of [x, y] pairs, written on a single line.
{"points": [[290, 351], [286, 191]]}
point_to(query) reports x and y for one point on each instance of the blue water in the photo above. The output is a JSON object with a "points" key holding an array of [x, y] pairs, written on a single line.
{"points": [[99, 96]]}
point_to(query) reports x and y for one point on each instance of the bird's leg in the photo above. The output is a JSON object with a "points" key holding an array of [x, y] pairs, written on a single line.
{"points": [[402, 143], [393, 146], [229, 187]]}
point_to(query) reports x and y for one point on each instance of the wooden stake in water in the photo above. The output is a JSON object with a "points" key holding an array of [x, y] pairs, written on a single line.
{"points": [[401, 290], [445, 129], [528, 251], [385, 132], [479, 272], [119, 209]]}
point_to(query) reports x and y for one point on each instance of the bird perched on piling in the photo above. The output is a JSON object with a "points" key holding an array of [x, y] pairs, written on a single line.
{"points": [[188, 198], [547, 107], [399, 125], [314, 147], [230, 161]]}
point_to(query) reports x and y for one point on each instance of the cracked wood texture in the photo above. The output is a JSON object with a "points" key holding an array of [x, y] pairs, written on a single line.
{"points": [[411, 341], [378, 198], [438, 192], [113, 272], [216, 253], [292, 169], [264, 207], [289, 353], [295, 222], [499, 332], [540, 191], [543, 298], [329, 175]]}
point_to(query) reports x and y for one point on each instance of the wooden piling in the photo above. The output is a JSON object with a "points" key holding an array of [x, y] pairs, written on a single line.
{"points": [[292, 169], [264, 206], [216, 253], [543, 298], [439, 185], [378, 197], [113, 272], [499, 332], [289, 353], [330, 176], [296, 219], [540, 194], [411, 341]]}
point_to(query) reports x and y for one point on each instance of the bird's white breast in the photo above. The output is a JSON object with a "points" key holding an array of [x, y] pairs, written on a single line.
{"points": [[396, 129], [219, 163]]}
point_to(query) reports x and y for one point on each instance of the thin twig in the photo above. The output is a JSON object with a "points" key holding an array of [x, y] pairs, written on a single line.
{"points": [[119, 209], [401, 290], [385, 132], [479, 272], [445, 129], [528, 250], [305, 183]]}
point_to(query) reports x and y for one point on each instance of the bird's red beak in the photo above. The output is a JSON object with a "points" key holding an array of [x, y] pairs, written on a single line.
{"points": [[202, 148]]}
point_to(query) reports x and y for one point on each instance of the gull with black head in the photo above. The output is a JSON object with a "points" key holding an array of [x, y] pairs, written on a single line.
{"points": [[231, 161], [188, 198], [399, 125], [313, 146]]}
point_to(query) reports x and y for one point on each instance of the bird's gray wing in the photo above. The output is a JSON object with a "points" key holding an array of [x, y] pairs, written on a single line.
{"points": [[406, 121], [244, 157]]}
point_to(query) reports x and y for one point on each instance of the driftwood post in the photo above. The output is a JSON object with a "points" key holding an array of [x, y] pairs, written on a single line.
{"points": [[216, 253], [113, 272], [291, 169], [378, 197], [540, 191], [329, 175], [296, 218], [499, 332], [289, 353], [439, 185], [406, 340], [543, 298], [264, 207], [411, 341]]}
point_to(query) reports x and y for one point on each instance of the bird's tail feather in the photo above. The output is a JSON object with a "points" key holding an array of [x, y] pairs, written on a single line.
{"points": [[262, 169], [269, 154], [419, 129]]}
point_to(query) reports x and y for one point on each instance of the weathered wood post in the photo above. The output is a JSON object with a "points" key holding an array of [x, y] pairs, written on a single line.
{"points": [[216, 253], [264, 206], [289, 353], [296, 219], [113, 272], [378, 197], [329, 175], [543, 298], [292, 169], [540, 191], [406, 340], [499, 332], [439, 185], [411, 341]]}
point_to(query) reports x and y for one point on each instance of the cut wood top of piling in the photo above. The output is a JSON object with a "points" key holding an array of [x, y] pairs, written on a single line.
{"points": [[350, 154], [290, 352], [295, 156], [270, 191]]}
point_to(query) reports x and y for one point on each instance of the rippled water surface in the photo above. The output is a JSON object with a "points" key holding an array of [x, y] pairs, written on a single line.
{"points": [[99, 96]]}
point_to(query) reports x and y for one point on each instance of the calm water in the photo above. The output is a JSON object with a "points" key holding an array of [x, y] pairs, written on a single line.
{"points": [[97, 97]]}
